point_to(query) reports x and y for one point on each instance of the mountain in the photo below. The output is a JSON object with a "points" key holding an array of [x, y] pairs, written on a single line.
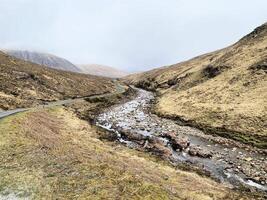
{"points": [[56, 62], [101, 70], [24, 84], [223, 92], [44, 59]]}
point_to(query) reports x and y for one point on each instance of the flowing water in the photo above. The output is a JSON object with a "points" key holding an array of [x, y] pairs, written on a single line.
{"points": [[229, 163]]}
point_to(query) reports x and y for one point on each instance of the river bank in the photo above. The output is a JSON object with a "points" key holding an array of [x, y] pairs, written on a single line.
{"points": [[225, 160]]}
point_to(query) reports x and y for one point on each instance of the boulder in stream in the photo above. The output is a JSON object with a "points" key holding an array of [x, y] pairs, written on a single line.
{"points": [[177, 143], [159, 150], [133, 136], [198, 151]]}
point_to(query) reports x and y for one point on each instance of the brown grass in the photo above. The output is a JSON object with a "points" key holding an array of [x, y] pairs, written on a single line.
{"points": [[54, 155], [23, 84]]}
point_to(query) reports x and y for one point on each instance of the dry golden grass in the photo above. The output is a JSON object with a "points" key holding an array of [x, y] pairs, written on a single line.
{"points": [[54, 155], [24, 84]]}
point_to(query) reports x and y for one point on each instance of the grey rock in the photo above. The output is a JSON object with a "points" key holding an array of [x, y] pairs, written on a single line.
{"points": [[197, 151]]}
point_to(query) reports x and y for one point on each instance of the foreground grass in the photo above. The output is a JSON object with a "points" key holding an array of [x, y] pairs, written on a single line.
{"points": [[54, 155]]}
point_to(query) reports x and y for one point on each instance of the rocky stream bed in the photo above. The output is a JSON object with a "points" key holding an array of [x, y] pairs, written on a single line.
{"points": [[223, 159]]}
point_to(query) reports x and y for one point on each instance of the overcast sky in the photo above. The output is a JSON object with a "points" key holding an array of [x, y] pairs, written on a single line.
{"points": [[134, 35]]}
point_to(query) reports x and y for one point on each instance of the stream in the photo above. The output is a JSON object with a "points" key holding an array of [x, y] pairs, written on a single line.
{"points": [[222, 159]]}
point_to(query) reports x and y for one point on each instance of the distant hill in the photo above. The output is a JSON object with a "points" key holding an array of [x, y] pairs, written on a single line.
{"points": [[101, 70], [222, 92], [45, 59], [25, 84]]}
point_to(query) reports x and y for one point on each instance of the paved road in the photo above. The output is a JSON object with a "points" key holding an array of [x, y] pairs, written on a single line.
{"points": [[11, 112], [120, 89]]}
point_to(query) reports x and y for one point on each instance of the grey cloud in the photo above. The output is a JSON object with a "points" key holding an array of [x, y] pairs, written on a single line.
{"points": [[133, 35]]}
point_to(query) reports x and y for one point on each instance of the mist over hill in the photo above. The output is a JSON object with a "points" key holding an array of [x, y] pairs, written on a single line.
{"points": [[45, 59], [102, 70]]}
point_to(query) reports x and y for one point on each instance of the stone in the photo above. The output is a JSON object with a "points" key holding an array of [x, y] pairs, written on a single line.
{"points": [[161, 150], [132, 136], [236, 170], [146, 144], [177, 143], [197, 151], [180, 143], [230, 162], [248, 159], [156, 140]]}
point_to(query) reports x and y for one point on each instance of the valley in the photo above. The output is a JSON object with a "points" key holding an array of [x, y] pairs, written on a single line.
{"points": [[132, 154], [195, 130], [51, 153]]}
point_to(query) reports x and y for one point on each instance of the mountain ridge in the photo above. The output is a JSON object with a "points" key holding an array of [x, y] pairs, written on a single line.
{"points": [[45, 59]]}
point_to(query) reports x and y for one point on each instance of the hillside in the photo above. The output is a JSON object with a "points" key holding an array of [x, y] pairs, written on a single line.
{"points": [[44, 59], [52, 154], [101, 70], [222, 92], [24, 84]]}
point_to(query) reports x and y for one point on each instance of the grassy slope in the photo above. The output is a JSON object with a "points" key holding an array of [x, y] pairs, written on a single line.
{"points": [[54, 155], [223, 91], [24, 84]]}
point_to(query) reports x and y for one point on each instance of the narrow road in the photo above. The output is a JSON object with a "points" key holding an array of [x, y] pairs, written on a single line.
{"points": [[7, 113], [119, 89], [223, 159], [11, 112]]}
